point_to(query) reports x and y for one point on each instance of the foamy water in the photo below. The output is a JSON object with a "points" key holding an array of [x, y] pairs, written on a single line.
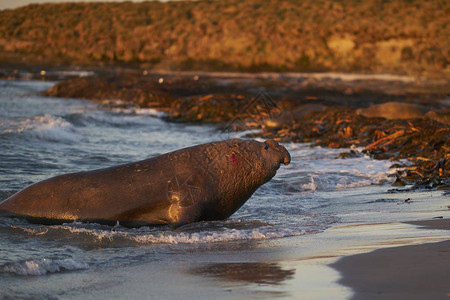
{"points": [[46, 127], [43, 266]]}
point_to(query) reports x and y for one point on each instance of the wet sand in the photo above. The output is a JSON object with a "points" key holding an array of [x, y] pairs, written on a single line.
{"points": [[408, 272]]}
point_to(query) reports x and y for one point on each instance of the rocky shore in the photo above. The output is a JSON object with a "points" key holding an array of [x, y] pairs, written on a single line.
{"points": [[138, 49], [400, 120]]}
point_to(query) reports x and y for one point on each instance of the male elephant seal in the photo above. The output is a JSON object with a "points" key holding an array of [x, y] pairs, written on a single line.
{"points": [[205, 182]]}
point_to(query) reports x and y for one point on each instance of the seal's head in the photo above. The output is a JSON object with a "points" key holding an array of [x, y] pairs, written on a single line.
{"points": [[239, 167], [273, 155]]}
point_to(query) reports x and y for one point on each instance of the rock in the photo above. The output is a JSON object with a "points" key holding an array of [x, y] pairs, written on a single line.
{"points": [[398, 182], [288, 117], [393, 111], [441, 117]]}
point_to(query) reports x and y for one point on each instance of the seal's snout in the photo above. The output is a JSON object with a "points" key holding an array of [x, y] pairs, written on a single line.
{"points": [[285, 156]]}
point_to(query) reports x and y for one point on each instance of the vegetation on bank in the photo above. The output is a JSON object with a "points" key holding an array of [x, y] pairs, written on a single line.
{"points": [[400, 36]]}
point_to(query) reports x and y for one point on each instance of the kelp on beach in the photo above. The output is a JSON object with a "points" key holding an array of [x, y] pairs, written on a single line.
{"points": [[320, 112]]}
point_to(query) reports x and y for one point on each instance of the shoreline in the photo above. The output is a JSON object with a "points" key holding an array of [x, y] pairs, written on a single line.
{"points": [[324, 109], [404, 272]]}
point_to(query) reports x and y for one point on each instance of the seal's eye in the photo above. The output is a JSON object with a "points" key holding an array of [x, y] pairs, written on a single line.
{"points": [[266, 147]]}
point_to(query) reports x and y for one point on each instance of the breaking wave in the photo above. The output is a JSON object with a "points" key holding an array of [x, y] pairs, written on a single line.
{"points": [[196, 233], [42, 266], [324, 172], [172, 237], [46, 127]]}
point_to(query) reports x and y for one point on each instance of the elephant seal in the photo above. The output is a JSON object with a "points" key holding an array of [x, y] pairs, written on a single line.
{"points": [[200, 183], [393, 111]]}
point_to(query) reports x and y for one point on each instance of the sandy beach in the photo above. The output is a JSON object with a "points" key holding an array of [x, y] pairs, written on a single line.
{"points": [[408, 272]]}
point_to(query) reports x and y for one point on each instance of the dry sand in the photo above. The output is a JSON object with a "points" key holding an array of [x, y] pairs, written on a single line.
{"points": [[409, 272]]}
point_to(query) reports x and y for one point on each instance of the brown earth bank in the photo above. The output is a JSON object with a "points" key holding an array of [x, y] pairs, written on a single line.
{"points": [[400, 36], [324, 112]]}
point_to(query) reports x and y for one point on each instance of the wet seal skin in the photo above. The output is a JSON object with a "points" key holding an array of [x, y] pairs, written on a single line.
{"points": [[200, 183]]}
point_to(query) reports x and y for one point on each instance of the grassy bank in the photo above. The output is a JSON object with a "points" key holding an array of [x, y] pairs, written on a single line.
{"points": [[400, 36]]}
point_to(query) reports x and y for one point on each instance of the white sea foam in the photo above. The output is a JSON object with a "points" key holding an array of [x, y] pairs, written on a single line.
{"points": [[310, 186], [45, 127], [317, 169], [214, 237], [53, 129], [149, 235], [140, 111], [42, 266]]}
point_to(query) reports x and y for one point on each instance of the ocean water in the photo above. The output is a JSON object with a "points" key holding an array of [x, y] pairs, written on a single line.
{"points": [[41, 137]]}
